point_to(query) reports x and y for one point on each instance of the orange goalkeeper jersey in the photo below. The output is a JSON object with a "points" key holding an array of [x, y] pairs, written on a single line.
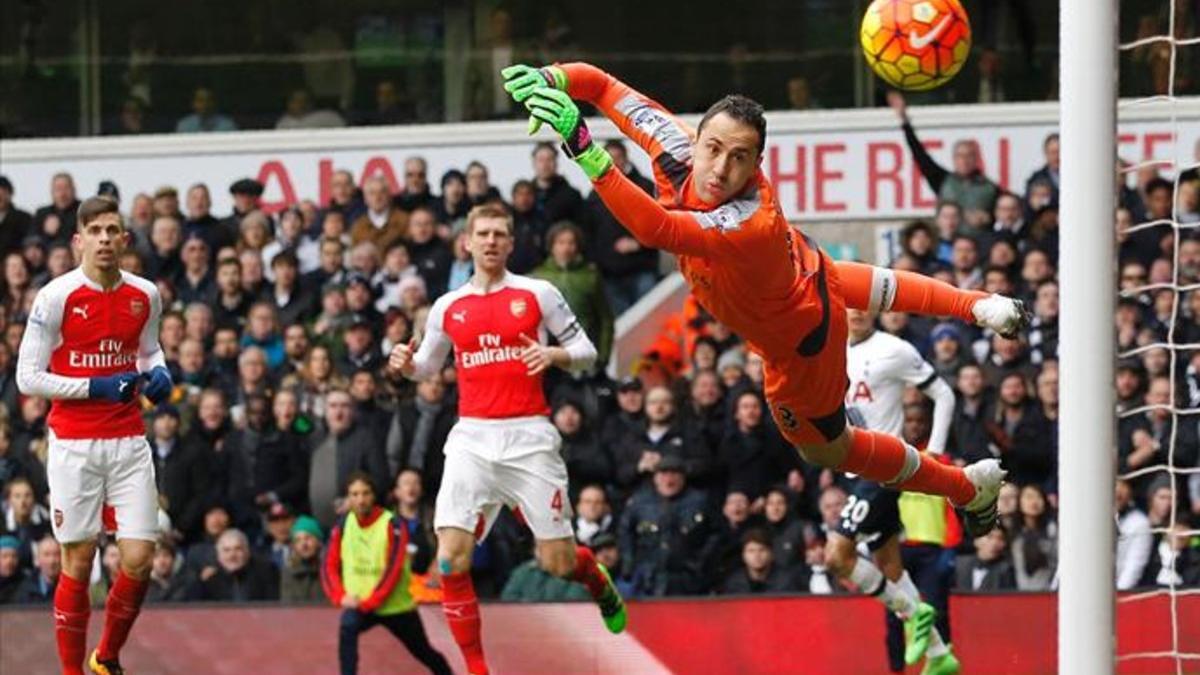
{"points": [[751, 269]]}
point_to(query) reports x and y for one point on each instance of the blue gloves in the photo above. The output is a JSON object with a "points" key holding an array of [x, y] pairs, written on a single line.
{"points": [[119, 388], [158, 384]]}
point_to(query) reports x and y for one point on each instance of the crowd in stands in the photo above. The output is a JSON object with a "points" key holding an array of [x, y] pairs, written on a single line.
{"points": [[276, 327]]}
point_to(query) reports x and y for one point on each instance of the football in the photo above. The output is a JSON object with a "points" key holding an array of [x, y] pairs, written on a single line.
{"points": [[916, 44]]}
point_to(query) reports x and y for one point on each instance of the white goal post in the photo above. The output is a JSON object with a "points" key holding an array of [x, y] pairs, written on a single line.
{"points": [[1088, 106]]}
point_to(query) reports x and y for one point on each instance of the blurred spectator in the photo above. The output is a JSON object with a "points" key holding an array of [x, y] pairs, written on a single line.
{"points": [[587, 462], [530, 583], [604, 547], [753, 452], [965, 185], [104, 573], [38, 586], [1134, 538], [382, 223], [627, 419], [1145, 439], [580, 283], [195, 283], [429, 254], [300, 577], [344, 197], [24, 517], [218, 234], [479, 188], [704, 411], [418, 431], [181, 471], [1048, 173], [14, 223], [1018, 431], [496, 49], [340, 448], [289, 237], [166, 236], [300, 113], [989, 568], [11, 573], [453, 205], [364, 390], [640, 453], [973, 402], [262, 333], [239, 577], [787, 532], [410, 506], [245, 193], [593, 515], [799, 95], [529, 229], [760, 573], [1175, 560], [131, 119], [556, 198], [62, 207], [668, 536], [166, 584], [331, 267], [360, 351], [204, 115], [1034, 548], [201, 560], [416, 192], [269, 458], [389, 107], [293, 303], [18, 465]]}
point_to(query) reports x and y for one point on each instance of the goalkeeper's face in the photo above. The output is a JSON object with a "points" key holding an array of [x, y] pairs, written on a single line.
{"points": [[490, 244], [724, 158]]}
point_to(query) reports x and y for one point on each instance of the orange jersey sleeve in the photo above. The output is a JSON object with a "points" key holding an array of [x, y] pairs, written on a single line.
{"points": [[643, 120]]}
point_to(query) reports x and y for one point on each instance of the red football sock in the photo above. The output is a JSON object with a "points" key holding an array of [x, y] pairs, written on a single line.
{"points": [[881, 458], [124, 602], [880, 289], [936, 478], [587, 572], [71, 611], [462, 615]]}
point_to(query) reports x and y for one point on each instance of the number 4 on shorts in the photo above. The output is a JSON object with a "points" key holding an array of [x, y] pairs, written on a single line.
{"points": [[556, 501]]}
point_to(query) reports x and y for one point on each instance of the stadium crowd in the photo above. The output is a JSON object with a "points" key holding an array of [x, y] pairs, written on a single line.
{"points": [[276, 327]]}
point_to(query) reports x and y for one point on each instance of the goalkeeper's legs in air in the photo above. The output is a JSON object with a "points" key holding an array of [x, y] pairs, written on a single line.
{"points": [[806, 393], [879, 289]]}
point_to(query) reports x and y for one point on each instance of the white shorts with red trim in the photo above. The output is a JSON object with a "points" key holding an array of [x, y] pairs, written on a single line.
{"points": [[511, 462], [86, 475]]}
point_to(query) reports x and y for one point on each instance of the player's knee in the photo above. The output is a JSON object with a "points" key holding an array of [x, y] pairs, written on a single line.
{"points": [[559, 564]]}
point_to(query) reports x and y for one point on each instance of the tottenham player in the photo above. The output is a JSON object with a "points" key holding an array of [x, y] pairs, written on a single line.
{"points": [[880, 367], [503, 451], [90, 345]]}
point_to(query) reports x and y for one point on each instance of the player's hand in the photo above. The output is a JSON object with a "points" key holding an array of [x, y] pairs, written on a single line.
{"points": [[401, 359], [520, 81], [157, 384], [536, 356], [119, 388], [349, 601], [896, 102], [553, 107]]}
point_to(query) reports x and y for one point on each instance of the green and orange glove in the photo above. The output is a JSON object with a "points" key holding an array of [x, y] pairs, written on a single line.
{"points": [[554, 107], [520, 81]]}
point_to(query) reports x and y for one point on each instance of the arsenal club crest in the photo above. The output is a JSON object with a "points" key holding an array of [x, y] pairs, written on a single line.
{"points": [[137, 307], [517, 307]]}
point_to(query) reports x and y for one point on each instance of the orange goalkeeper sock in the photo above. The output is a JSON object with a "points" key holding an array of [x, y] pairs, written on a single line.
{"points": [[883, 458], [878, 289]]}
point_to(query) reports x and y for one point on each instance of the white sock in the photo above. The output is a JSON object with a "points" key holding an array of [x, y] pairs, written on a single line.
{"points": [[866, 576], [937, 646], [898, 599]]}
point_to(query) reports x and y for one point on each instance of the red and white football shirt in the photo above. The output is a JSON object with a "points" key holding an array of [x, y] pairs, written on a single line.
{"points": [[485, 327], [78, 330]]}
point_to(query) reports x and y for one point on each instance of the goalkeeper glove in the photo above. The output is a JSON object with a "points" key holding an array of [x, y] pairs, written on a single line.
{"points": [[558, 110], [158, 384], [118, 388], [520, 81]]}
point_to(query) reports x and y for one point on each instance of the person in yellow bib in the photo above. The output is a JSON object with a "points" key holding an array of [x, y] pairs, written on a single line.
{"points": [[366, 572]]}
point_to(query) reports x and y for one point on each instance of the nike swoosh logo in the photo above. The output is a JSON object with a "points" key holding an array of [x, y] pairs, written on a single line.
{"points": [[923, 41]]}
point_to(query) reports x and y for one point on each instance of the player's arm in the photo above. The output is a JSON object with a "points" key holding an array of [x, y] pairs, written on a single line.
{"points": [[919, 373], [43, 331], [331, 568], [152, 362], [575, 351], [428, 359], [709, 234], [394, 569], [640, 118]]}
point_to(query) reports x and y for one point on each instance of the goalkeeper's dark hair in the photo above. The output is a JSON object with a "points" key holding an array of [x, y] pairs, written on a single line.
{"points": [[94, 207], [743, 109]]}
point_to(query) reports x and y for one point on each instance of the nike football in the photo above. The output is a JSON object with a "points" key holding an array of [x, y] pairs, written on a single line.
{"points": [[916, 44]]}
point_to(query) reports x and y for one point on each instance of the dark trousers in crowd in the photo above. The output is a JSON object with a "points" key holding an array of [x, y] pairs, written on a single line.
{"points": [[407, 628], [932, 570], [624, 292]]}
